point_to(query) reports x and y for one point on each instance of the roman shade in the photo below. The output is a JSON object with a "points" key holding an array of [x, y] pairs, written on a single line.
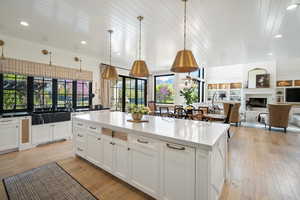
{"points": [[11, 65]]}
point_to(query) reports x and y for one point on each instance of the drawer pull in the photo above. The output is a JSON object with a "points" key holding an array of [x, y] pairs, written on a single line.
{"points": [[142, 141], [112, 143], [79, 135], [79, 149], [98, 138], [94, 128], [176, 148], [79, 124]]}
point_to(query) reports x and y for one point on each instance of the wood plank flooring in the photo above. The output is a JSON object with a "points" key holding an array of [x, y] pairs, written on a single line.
{"points": [[263, 165]]}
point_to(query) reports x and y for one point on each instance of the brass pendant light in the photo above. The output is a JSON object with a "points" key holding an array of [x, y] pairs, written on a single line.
{"points": [[46, 52], [185, 60], [139, 67], [109, 72]]}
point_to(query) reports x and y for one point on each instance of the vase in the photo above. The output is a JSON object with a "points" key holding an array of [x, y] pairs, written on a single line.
{"points": [[137, 116]]}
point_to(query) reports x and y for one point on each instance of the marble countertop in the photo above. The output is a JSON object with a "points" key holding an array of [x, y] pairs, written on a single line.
{"points": [[186, 132]]}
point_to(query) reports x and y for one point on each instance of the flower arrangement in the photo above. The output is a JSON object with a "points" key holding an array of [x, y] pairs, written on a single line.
{"points": [[189, 95], [139, 109]]}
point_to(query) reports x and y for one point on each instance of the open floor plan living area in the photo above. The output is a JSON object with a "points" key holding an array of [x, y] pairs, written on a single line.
{"points": [[149, 100]]}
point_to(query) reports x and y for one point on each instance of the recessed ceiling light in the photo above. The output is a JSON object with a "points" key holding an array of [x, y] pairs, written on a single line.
{"points": [[83, 42], [270, 54], [292, 7], [278, 36], [23, 23]]}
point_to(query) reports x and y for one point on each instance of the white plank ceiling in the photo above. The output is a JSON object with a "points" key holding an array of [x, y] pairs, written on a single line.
{"points": [[220, 32]]}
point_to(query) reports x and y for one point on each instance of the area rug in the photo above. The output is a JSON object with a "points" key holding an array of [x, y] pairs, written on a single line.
{"points": [[46, 182]]}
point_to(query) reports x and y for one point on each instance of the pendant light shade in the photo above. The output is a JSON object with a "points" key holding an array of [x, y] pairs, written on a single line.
{"points": [[109, 72], [139, 67], [185, 60]]}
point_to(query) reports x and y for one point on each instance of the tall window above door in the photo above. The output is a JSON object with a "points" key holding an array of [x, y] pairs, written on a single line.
{"points": [[14, 92], [164, 89]]}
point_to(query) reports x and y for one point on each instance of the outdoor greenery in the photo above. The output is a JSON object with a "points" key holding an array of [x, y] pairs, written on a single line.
{"points": [[189, 95], [14, 92]]}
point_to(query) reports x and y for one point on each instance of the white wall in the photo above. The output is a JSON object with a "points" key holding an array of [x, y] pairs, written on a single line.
{"points": [[288, 69], [25, 50]]}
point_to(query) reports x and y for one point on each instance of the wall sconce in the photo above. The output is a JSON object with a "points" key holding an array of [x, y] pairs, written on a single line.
{"points": [[2, 48], [78, 60], [46, 52]]}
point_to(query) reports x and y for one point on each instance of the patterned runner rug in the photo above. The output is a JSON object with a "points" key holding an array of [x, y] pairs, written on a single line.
{"points": [[46, 182]]}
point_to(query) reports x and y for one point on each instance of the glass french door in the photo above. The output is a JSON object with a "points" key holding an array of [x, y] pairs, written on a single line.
{"points": [[127, 91]]}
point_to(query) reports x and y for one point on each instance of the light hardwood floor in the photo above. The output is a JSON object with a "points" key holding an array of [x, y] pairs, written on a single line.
{"points": [[263, 165]]}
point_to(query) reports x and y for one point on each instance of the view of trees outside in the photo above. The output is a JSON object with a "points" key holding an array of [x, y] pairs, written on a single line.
{"points": [[129, 92], [165, 89], [83, 93], [140, 92], [14, 92], [64, 93], [42, 92]]}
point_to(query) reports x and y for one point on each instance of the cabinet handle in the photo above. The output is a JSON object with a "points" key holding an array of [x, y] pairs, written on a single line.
{"points": [[80, 135], [112, 143], [128, 149], [94, 128], [79, 124], [98, 138], [176, 148], [79, 149], [142, 141]]}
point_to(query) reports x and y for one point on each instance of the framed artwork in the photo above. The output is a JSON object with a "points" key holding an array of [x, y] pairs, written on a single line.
{"points": [[263, 81]]}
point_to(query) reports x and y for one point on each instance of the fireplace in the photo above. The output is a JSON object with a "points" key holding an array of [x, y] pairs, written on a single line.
{"points": [[257, 102]]}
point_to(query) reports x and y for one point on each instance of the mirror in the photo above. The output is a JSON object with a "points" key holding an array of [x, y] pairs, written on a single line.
{"points": [[258, 78]]}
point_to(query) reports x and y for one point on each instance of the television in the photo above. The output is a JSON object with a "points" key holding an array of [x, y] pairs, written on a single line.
{"points": [[292, 95]]}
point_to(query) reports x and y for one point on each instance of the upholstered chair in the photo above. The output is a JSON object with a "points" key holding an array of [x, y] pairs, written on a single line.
{"points": [[278, 116], [152, 108], [235, 112]]}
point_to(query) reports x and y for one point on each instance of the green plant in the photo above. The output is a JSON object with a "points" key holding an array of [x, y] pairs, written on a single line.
{"points": [[138, 109], [189, 95]]}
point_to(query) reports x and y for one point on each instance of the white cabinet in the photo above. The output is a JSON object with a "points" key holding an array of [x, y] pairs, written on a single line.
{"points": [[61, 130], [41, 134], [94, 148], [178, 172], [107, 145], [51, 132], [120, 159], [144, 165], [9, 136]]}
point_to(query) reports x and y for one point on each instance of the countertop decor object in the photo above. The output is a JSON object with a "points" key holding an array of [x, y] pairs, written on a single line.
{"points": [[137, 112]]}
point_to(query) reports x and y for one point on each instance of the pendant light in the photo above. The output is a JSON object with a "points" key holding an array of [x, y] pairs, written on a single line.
{"points": [[47, 52], [110, 72], [185, 60], [139, 67]]}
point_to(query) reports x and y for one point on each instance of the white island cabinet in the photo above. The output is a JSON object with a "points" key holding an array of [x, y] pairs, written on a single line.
{"points": [[169, 159]]}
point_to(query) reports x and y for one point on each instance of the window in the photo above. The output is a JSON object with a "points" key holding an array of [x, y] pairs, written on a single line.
{"points": [[117, 92], [127, 91], [164, 89], [42, 92], [83, 96], [141, 97], [199, 84], [64, 93], [14, 92]]}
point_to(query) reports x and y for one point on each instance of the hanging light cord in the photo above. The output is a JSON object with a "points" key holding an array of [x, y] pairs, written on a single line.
{"points": [[184, 34], [2, 54], [140, 18], [110, 32], [50, 54]]}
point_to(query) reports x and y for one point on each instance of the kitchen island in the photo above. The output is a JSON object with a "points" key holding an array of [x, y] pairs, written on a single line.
{"points": [[170, 159]]}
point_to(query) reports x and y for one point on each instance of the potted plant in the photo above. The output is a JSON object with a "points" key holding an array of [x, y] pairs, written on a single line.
{"points": [[189, 95], [137, 112]]}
